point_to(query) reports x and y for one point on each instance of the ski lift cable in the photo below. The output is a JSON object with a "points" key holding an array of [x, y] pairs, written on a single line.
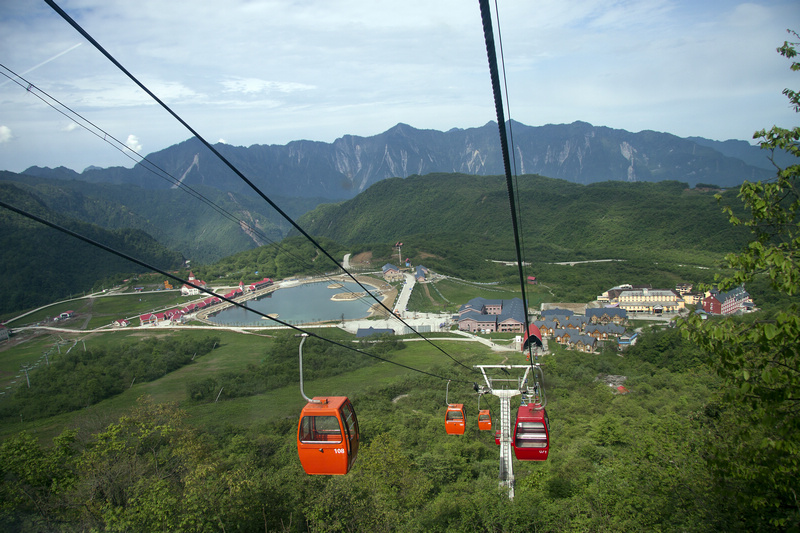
{"points": [[232, 167], [486, 19], [178, 279], [148, 165]]}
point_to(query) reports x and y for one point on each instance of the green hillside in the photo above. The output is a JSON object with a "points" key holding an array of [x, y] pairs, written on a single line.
{"points": [[559, 221], [181, 220], [138, 462], [40, 265]]}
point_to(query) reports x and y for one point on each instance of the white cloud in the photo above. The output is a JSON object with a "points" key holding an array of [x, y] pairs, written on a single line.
{"points": [[72, 126], [133, 143], [223, 141], [264, 72], [255, 85], [5, 134]]}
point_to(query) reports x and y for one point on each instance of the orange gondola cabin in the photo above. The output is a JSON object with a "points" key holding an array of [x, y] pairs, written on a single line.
{"points": [[485, 420], [327, 436], [531, 434], [455, 419]]}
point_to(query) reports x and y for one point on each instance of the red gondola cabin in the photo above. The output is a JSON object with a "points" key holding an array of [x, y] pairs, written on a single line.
{"points": [[454, 419], [485, 420], [531, 434], [327, 436]]}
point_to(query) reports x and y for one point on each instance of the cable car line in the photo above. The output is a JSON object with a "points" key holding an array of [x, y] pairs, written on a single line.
{"points": [[145, 163], [132, 259], [530, 440], [233, 168], [511, 135], [486, 19], [498, 101]]}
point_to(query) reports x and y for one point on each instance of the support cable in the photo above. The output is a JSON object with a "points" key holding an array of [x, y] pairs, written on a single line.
{"points": [[486, 18], [232, 167], [510, 127], [145, 163], [178, 279]]}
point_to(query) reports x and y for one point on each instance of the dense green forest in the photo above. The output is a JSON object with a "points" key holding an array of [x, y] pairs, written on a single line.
{"points": [[466, 217], [41, 264], [640, 461]]}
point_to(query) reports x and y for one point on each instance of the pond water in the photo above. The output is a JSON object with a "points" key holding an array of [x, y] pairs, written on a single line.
{"points": [[301, 304]]}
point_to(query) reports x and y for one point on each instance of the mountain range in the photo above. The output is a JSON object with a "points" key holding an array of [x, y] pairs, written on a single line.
{"points": [[460, 196], [577, 152]]}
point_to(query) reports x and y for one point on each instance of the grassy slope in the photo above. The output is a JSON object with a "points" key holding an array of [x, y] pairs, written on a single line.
{"points": [[235, 352]]}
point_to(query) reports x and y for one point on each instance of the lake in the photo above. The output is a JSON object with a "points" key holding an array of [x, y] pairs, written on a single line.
{"points": [[300, 304]]}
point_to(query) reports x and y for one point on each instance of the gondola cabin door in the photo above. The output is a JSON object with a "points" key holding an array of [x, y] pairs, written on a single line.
{"points": [[454, 419], [531, 434], [327, 436], [485, 420]]}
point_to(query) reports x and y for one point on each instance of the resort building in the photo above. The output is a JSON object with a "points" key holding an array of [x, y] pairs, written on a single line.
{"points": [[483, 315]]}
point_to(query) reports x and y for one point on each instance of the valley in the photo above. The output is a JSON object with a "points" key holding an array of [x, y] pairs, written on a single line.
{"points": [[219, 403]]}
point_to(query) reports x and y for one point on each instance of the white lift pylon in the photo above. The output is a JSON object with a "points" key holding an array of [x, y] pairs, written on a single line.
{"points": [[505, 389]]}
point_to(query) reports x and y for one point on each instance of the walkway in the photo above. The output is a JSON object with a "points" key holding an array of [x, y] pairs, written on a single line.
{"points": [[405, 295]]}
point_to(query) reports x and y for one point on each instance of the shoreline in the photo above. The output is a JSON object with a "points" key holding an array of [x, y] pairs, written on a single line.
{"points": [[382, 290]]}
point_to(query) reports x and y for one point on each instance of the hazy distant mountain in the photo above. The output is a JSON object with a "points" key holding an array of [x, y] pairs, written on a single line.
{"points": [[577, 152], [183, 222]]}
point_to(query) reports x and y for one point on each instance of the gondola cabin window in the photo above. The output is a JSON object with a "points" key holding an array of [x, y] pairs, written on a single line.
{"points": [[531, 435], [320, 429]]}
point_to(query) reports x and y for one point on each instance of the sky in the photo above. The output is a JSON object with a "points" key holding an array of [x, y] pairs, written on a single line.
{"points": [[250, 72]]}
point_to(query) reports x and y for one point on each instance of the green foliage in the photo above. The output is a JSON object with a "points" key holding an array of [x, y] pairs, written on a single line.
{"points": [[632, 462], [290, 257], [759, 358], [32, 253], [465, 219], [667, 349], [79, 378]]}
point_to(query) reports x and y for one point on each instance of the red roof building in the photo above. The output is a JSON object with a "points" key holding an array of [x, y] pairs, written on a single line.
{"points": [[189, 290]]}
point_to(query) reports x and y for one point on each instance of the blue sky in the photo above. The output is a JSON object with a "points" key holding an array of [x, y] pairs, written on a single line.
{"points": [[269, 72]]}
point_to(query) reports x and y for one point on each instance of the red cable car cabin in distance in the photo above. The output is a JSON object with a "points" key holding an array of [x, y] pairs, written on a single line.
{"points": [[485, 420], [455, 419], [532, 433], [327, 436]]}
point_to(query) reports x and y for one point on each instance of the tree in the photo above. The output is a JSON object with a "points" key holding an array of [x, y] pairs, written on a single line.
{"points": [[759, 359]]}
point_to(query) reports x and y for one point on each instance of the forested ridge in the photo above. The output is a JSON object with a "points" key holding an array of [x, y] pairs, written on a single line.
{"points": [[41, 264], [173, 217], [452, 223], [561, 220]]}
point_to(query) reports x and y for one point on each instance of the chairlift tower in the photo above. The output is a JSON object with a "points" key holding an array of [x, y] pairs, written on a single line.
{"points": [[505, 389]]}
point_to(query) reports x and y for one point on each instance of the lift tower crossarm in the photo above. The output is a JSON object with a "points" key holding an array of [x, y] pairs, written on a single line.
{"points": [[504, 367]]}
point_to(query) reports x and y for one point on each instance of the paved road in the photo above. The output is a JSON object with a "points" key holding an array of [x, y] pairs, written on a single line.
{"points": [[405, 295]]}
